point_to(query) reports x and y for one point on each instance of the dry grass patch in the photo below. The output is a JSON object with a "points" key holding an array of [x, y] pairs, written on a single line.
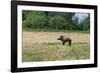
{"points": [[44, 46], [29, 38]]}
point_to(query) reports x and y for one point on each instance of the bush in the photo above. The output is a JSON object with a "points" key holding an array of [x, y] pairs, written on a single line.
{"points": [[86, 25], [58, 22], [35, 21], [26, 24], [38, 21]]}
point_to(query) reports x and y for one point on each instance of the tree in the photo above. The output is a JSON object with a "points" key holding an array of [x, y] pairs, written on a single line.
{"points": [[35, 19], [86, 23], [58, 22]]}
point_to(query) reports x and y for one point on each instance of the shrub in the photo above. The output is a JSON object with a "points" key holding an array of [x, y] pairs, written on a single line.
{"points": [[58, 22]]}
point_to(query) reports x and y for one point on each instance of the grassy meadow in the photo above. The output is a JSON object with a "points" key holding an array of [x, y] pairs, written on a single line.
{"points": [[44, 46]]}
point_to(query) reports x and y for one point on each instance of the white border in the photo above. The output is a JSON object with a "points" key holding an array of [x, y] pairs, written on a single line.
{"points": [[53, 63]]}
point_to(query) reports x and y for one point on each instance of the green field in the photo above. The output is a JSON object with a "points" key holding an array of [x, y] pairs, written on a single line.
{"points": [[44, 46]]}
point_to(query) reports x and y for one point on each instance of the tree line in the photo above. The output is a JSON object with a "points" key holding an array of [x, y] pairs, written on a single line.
{"points": [[53, 20]]}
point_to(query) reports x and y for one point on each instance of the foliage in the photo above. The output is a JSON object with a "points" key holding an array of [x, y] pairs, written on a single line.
{"points": [[58, 22], [86, 24], [35, 20], [53, 20]]}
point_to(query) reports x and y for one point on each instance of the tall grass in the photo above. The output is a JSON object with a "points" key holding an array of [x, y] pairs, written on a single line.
{"points": [[56, 51], [44, 46]]}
